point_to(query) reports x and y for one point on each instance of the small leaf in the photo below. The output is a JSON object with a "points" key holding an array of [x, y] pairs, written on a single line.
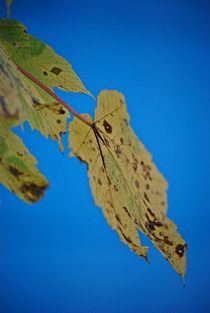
{"points": [[18, 170], [124, 180]]}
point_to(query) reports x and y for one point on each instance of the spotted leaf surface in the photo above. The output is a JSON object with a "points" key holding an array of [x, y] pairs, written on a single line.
{"points": [[21, 100], [18, 170], [50, 118], [38, 58], [125, 182]]}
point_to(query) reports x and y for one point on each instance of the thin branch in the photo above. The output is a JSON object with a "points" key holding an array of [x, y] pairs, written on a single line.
{"points": [[52, 94]]}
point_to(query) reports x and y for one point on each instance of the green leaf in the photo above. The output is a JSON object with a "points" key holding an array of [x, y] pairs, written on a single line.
{"points": [[124, 181], [38, 58], [18, 170]]}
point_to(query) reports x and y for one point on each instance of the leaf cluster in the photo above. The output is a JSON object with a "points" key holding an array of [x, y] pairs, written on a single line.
{"points": [[124, 181], [22, 100]]}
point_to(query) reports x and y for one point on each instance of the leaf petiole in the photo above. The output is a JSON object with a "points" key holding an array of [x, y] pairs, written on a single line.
{"points": [[52, 94]]}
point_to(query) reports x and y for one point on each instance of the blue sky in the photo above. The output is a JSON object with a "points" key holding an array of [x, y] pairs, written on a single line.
{"points": [[60, 255]]}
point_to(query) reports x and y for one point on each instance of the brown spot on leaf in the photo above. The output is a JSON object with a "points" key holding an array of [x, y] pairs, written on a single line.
{"points": [[180, 250], [157, 223], [118, 151], [150, 212], [14, 171], [109, 181], [167, 241], [118, 218], [121, 141], [58, 121], [126, 210], [143, 166], [137, 183], [145, 203], [150, 226], [135, 166], [107, 127], [99, 182], [35, 101], [115, 187], [45, 73], [127, 238], [111, 205], [32, 191], [61, 111], [146, 197], [56, 70]]}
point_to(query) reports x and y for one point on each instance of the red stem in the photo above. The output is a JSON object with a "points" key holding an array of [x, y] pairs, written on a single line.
{"points": [[52, 94]]}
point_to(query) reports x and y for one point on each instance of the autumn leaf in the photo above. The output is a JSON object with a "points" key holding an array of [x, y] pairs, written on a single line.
{"points": [[43, 113], [38, 58], [124, 181], [18, 170], [24, 99]]}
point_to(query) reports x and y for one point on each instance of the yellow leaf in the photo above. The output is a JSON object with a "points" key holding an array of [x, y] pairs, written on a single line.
{"points": [[125, 182], [49, 119], [18, 170]]}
